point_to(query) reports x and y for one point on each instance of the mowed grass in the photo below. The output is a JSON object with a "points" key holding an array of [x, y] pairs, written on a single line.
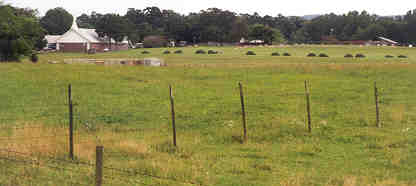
{"points": [[126, 109], [236, 55]]}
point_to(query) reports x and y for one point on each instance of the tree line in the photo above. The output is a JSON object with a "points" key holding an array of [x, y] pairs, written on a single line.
{"points": [[218, 25], [21, 30]]}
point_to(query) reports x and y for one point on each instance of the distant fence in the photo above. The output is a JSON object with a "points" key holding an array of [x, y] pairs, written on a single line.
{"points": [[145, 61], [31, 157]]}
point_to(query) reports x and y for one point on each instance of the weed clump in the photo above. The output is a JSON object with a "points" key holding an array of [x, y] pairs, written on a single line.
{"points": [[389, 56], [286, 54], [275, 54], [166, 52], [348, 56], [178, 52], [145, 52], [402, 56], [250, 53], [311, 55]]}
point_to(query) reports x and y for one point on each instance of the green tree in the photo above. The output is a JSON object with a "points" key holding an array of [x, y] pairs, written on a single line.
{"points": [[112, 26], [239, 29], [266, 33], [19, 32], [57, 21]]}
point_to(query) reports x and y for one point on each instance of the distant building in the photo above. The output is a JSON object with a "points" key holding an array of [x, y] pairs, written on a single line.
{"points": [[83, 40]]}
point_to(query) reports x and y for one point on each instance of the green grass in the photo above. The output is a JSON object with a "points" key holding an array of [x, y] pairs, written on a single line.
{"points": [[236, 55], [344, 148]]}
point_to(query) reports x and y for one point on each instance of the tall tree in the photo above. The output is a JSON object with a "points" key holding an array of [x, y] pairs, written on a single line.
{"points": [[112, 26], [57, 21], [266, 33], [239, 29], [19, 32]]}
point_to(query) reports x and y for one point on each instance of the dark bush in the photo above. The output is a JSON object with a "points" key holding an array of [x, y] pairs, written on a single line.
{"points": [[212, 52], [178, 52], [402, 56], [311, 55], [200, 51], [145, 52], [389, 56], [275, 54], [166, 52], [250, 53], [34, 58], [348, 55], [286, 54], [360, 56], [323, 55]]}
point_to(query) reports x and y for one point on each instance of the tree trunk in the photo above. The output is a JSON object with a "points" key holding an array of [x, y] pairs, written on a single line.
{"points": [[109, 43]]}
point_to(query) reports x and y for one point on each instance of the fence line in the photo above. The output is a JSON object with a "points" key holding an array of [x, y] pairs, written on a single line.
{"points": [[77, 135]]}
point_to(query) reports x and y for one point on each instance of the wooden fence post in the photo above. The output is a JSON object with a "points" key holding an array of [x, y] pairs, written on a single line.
{"points": [[308, 105], [172, 106], [377, 106], [71, 123], [99, 165], [243, 112]]}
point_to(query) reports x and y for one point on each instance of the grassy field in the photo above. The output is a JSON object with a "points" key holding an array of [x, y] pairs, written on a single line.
{"points": [[127, 110]]}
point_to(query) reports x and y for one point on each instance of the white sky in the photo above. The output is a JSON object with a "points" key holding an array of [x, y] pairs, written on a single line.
{"points": [[263, 7]]}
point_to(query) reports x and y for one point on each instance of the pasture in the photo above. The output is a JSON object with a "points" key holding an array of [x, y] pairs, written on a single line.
{"points": [[127, 110]]}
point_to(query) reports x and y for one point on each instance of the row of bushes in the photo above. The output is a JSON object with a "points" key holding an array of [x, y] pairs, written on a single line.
{"points": [[399, 56], [314, 55], [209, 52], [357, 56], [176, 52], [251, 53]]}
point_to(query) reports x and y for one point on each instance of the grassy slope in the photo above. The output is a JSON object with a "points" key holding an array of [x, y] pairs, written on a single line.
{"points": [[344, 148]]}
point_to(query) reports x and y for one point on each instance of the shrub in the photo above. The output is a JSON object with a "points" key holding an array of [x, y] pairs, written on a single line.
{"points": [[250, 53], [154, 41], [275, 54], [323, 55], [311, 55], [178, 52], [360, 56], [286, 54], [212, 52], [348, 55], [402, 56], [200, 51], [34, 58], [145, 52], [389, 56], [166, 52]]}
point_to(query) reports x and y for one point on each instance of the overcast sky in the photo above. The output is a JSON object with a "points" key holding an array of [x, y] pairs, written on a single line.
{"points": [[263, 7]]}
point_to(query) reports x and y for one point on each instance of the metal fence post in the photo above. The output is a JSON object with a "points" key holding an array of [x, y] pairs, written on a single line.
{"points": [[308, 106], [377, 105], [243, 112], [71, 123], [172, 105]]}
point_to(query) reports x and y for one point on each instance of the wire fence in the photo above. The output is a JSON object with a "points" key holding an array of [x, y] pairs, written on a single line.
{"points": [[31, 151]]}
